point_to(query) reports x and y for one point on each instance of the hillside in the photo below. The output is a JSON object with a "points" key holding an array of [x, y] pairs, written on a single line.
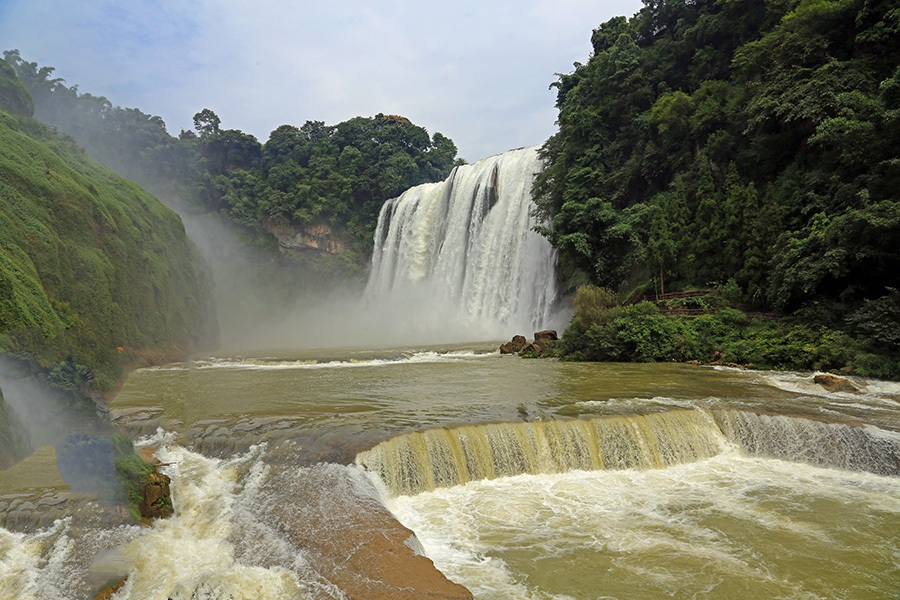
{"points": [[746, 146], [94, 270], [305, 179]]}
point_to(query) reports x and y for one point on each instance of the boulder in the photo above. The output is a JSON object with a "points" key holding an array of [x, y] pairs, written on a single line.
{"points": [[156, 498], [545, 340], [531, 348], [518, 342], [109, 590], [835, 384]]}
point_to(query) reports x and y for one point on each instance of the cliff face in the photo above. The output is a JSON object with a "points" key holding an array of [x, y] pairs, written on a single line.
{"points": [[301, 238], [93, 269]]}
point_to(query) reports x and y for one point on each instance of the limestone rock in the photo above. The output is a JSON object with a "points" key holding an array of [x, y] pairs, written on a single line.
{"points": [[545, 340], [548, 335], [531, 348], [299, 238], [518, 342], [835, 384], [156, 499], [365, 552]]}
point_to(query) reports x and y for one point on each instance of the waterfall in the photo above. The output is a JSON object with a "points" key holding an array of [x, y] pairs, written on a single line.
{"points": [[462, 253], [863, 448], [422, 461]]}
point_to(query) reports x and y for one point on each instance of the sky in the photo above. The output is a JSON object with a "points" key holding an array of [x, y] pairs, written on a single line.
{"points": [[477, 71]]}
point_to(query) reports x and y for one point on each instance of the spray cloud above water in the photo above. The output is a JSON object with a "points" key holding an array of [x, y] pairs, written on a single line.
{"points": [[453, 261]]}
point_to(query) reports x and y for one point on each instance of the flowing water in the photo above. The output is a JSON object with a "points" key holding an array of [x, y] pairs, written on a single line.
{"points": [[334, 473], [520, 478], [460, 256]]}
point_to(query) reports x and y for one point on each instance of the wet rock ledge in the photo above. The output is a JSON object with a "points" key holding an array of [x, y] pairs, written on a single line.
{"points": [[541, 347]]}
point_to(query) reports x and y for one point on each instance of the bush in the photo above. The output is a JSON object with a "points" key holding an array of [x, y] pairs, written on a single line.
{"points": [[638, 333], [593, 305]]}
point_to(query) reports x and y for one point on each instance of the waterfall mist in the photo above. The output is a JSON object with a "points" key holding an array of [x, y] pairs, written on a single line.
{"points": [[453, 261]]}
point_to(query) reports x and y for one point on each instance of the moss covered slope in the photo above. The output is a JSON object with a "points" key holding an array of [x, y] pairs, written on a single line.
{"points": [[89, 263]]}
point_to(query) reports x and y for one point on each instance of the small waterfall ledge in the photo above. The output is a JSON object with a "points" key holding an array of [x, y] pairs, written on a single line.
{"points": [[463, 254], [422, 461]]}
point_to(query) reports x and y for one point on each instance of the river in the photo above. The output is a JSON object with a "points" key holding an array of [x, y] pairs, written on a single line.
{"points": [[531, 479], [344, 473]]}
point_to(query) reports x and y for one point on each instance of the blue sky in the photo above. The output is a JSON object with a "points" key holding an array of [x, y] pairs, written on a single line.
{"points": [[477, 71]]}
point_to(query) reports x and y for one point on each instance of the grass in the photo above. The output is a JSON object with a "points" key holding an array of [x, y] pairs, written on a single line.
{"points": [[89, 262]]}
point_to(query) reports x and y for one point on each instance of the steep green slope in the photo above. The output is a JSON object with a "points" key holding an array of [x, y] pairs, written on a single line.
{"points": [[14, 443], [93, 269], [753, 145]]}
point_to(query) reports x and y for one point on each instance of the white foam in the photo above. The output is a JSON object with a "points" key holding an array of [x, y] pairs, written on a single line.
{"points": [[675, 530], [262, 364], [194, 553]]}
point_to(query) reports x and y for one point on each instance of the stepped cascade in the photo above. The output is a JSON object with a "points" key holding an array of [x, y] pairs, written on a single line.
{"points": [[434, 458], [465, 250]]}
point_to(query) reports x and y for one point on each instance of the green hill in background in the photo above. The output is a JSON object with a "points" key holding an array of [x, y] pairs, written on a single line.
{"points": [[94, 271]]}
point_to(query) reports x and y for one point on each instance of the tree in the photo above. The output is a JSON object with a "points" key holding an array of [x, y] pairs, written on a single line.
{"points": [[206, 122]]}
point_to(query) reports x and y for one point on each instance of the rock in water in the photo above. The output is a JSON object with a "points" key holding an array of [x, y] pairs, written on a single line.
{"points": [[835, 384], [548, 335], [156, 499], [545, 340], [531, 349], [518, 342]]}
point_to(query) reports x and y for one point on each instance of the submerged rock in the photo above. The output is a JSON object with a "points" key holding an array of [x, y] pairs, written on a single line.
{"points": [[835, 384], [518, 342], [109, 590]]}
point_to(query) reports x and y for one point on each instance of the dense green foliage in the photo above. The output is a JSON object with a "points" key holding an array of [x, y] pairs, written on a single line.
{"points": [[89, 263], [754, 141], [337, 175], [14, 96], [603, 330]]}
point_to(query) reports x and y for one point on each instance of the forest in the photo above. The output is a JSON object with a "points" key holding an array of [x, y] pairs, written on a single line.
{"points": [[751, 148], [338, 175], [748, 148]]}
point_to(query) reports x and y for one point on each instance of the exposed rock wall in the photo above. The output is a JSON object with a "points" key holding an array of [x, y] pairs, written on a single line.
{"points": [[301, 238]]}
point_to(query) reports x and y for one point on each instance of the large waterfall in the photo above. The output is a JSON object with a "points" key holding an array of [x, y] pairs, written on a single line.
{"points": [[461, 255]]}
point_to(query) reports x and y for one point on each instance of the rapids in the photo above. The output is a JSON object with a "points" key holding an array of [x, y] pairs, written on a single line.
{"points": [[520, 479], [343, 473]]}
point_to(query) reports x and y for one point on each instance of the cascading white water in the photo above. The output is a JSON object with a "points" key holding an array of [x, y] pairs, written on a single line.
{"points": [[423, 461], [462, 253]]}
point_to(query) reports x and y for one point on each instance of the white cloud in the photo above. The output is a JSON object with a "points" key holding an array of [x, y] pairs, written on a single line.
{"points": [[476, 71]]}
